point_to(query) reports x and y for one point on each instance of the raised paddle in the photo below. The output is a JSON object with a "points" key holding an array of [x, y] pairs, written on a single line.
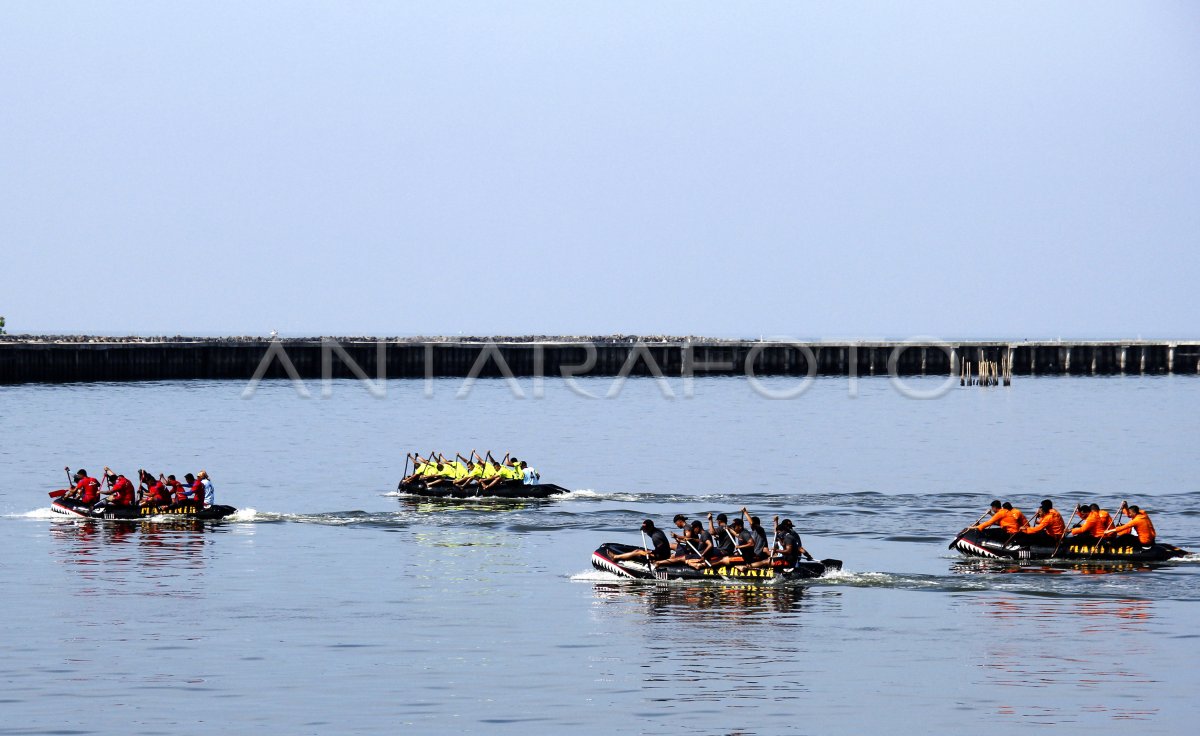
{"points": [[1066, 531], [65, 491], [969, 528]]}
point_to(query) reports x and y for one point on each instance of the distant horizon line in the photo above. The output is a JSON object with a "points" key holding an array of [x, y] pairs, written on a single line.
{"points": [[545, 337]]}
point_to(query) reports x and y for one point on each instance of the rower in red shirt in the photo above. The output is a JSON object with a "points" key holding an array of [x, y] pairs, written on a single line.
{"points": [[156, 493], [121, 491], [176, 491], [197, 489], [87, 488]]}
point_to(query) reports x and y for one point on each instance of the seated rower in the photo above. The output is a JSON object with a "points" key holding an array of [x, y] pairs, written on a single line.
{"points": [[1000, 518], [198, 490], [700, 546], [681, 523], [529, 476], [683, 548], [120, 491], [743, 545], [1094, 522], [176, 492], [659, 547], [498, 473], [419, 467], [723, 543], [444, 474], [1048, 526], [155, 492], [791, 549], [1139, 523], [1019, 521], [184, 493], [210, 493], [761, 557], [86, 488], [473, 475]]}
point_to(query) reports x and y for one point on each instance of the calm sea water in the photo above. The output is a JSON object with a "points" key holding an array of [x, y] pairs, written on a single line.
{"points": [[331, 605]]}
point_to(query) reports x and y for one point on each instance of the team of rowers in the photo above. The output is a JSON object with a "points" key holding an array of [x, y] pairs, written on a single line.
{"points": [[742, 543], [475, 469], [117, 490], [1048, 527]]}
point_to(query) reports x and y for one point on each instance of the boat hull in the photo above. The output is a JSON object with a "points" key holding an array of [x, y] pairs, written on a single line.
{"points": [[602, 559], [1125, 548], [507, 489], [72, 507]]}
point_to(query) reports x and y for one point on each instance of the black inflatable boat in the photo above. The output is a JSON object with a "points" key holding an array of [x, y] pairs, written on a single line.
{"points": [[73, 507], [504, 489], [602, 559], [997, 544]]}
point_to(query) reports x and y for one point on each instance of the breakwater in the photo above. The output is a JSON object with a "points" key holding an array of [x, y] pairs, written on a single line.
{"points": [[25, 359]]}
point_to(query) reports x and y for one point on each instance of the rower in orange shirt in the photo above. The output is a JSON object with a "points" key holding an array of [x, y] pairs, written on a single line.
{"points": [[1019, 521], [1139, 522], [1048, 523], [1095, 521], [999, 518]]}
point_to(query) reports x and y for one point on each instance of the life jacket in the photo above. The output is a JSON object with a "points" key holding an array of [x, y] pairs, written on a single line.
{"points": [[1140, 524], [89, 489], [178, 491], [156, 494], [198, 492], [122, 491], [1051, 522]]}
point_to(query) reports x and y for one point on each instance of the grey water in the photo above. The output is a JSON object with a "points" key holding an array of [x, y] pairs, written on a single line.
{"points": [[330, 604]]}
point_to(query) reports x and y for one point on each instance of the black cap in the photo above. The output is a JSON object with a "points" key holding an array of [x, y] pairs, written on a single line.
{"points": [[996, 504], [1047, 504]]}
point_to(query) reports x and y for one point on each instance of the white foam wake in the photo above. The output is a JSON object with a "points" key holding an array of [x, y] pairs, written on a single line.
{"points": [[42, 513], [596, 576]]}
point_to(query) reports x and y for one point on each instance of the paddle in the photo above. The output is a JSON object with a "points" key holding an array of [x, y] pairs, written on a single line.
{"points": [[1066, 531], [689, 543], [1113, 525], [646, 546], [1022, 527], [70, 487], [964, 531]]}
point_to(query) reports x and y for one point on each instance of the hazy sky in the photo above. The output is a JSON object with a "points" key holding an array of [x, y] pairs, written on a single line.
{"points": [[827, 170]]}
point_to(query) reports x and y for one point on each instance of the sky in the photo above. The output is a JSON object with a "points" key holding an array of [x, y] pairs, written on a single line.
{"points": [[787, 169]]}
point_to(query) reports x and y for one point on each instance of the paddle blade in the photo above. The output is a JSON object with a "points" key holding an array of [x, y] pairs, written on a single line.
{"points": [[58, 494], [832, 564]]}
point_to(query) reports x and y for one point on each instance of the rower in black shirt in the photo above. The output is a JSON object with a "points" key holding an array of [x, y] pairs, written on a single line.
{"points": [[659, 547]]}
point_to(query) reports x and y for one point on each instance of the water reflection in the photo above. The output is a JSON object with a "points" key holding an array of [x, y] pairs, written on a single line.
{"points": [[706, 643], [1079, 648], [975, 566], [706, 602], [115, 554]]}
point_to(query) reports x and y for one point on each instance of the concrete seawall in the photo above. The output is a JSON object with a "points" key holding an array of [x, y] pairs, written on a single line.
{"points": [[25, 359]]}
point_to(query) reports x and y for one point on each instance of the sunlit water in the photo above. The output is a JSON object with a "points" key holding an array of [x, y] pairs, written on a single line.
{"points": [[331, 605]]}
